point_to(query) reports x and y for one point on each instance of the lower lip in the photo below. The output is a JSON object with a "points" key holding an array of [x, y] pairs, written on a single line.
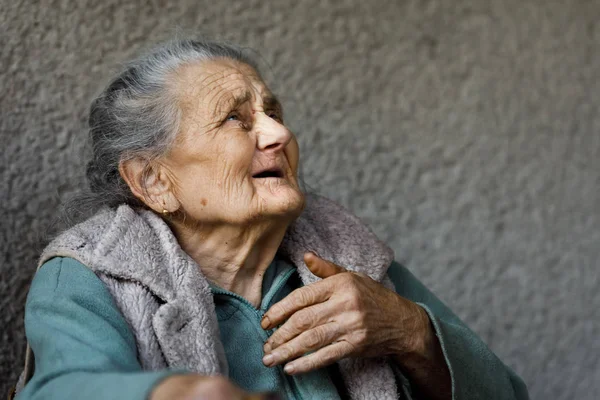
{"points": [[272, 179]]}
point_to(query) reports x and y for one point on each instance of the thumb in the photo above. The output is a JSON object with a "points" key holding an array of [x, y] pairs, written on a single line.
{"points": [[321, 268]]}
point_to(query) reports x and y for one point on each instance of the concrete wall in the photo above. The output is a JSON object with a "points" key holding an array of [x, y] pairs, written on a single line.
{"points": [[466, 133]]}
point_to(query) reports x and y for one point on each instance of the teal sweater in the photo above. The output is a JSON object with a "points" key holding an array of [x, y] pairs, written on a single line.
{"points": [[243, 339], [85, 349]]}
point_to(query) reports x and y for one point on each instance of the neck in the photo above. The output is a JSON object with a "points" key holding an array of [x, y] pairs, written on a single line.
{"points": [[232, 257]]}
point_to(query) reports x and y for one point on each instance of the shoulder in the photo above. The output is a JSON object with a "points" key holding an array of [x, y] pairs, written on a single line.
{"points": [[66, 295], [80, 240], [335, 234], [65, 275], [67, 283], [102, 229]]}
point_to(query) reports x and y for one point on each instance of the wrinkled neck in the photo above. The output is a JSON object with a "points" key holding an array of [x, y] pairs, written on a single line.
{"points": [[232, 257]]}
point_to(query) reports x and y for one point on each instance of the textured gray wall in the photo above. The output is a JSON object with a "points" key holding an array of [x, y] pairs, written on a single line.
{"points": [[465, 132]]}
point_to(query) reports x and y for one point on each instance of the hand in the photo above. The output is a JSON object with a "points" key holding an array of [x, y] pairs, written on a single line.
{"points": [[345, 314], [199, 387]]}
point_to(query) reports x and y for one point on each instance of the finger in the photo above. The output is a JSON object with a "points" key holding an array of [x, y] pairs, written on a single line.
{"points": [[301, 321], [313, 339], [300, 298], [321, 358], [320, 267]]}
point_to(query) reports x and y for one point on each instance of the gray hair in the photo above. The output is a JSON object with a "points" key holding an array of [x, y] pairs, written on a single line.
{"points": [[138, 116]]}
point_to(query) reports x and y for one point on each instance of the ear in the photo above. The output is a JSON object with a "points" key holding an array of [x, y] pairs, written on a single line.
{"points": [[149, 183]]}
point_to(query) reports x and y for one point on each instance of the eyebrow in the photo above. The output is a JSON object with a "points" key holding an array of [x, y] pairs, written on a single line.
{"points": [[232, 102], [271, 101], [228, 103]]}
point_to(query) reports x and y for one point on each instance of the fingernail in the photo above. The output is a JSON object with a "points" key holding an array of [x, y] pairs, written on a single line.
{"points": [[268, 359], [289, 369], [265, 322]]}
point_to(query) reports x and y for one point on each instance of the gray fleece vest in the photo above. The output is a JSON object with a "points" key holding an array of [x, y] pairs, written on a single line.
{"points": [[168, 303]]}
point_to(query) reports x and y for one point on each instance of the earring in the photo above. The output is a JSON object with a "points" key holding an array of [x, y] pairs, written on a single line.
{"points": [[165, 212]]}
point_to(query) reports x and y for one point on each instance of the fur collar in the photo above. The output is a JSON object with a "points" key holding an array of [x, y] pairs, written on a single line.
{"points": [[137, 246]]}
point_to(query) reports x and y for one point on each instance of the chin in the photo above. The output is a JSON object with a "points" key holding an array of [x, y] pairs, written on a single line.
{"points": [[288, 202]]}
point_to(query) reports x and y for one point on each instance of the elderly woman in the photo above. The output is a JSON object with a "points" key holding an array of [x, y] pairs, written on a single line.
{"points": [[207, 273]]}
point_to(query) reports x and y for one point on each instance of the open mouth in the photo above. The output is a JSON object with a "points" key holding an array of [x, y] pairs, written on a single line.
{"points": [[269, 173]]}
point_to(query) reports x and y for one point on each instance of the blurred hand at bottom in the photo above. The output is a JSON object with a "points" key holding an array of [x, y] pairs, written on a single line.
{"points": [[200, 387]]}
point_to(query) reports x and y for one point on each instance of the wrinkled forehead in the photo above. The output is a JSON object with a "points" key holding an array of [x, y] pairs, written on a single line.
{"points": [[210, 87]]}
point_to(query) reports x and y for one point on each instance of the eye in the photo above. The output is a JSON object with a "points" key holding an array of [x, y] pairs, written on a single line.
{"points": [[275, 115], [233, 117]]}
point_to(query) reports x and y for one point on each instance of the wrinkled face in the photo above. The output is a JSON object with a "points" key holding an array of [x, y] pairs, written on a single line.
{"points": [[234, 161]]}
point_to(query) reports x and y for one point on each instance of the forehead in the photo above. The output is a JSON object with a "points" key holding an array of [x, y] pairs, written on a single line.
{"points": [[208, 86]]}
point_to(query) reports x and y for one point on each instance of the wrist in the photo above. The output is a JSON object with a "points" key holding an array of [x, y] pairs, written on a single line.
{"points": [[418, 344], [423, 361]]}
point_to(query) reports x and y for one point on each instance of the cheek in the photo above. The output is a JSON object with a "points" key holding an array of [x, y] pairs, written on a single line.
{"points": [[233, 163]]}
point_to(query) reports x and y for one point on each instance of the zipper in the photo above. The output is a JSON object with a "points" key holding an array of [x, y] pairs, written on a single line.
{"points": [[289, 380], [281, 282]]}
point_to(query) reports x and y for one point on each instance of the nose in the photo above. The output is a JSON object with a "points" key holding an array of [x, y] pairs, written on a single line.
{"points": [[271, 135]]}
